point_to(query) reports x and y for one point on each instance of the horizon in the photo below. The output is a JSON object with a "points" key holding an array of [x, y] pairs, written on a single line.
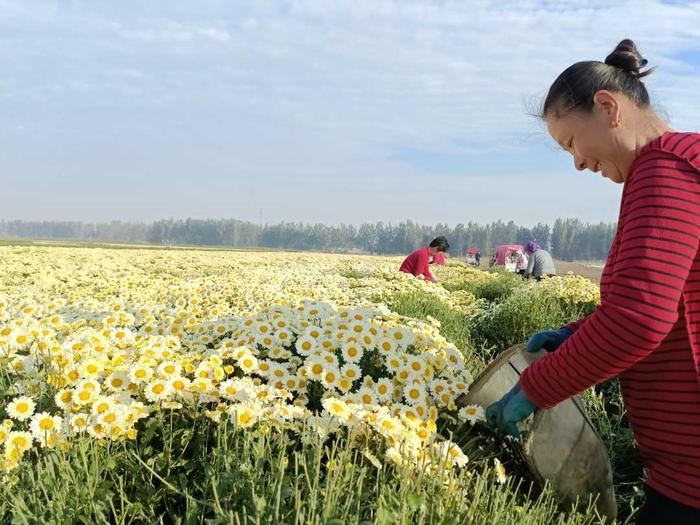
{"points": [[329, 225], [343, 113]]}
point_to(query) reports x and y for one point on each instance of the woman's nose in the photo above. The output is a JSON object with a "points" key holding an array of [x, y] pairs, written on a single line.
{"points": [[579, 163]]}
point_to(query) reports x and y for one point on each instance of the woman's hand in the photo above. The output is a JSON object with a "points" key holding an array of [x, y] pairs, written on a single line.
{"points": [[510, 410], [550, 340]]}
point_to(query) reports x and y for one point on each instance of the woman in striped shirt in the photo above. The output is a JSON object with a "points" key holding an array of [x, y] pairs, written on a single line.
{"points": [[647, 327]]}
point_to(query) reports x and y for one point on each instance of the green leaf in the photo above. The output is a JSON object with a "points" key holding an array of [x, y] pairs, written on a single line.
{"points": [[415, 500]]}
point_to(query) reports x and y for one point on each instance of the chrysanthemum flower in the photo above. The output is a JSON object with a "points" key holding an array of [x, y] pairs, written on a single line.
{"points": [[169, 369], [19, 441], [352, 352], [5, 431], [414, 393], [78, 423], [500, 471], [384, 389], [367, 396], [21, 408], [305, 345], [140, 373], [244, 416], [337, 408], [44, 423], [248, 363], [471, 413], [97, 429], [117, 380], [450, 453]]}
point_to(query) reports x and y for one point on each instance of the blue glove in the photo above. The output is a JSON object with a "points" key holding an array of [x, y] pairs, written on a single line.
{"points": [[549, 340], [511, 409]]}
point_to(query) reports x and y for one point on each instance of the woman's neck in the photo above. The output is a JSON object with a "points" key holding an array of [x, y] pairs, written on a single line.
{"points": [[650, 127], [646, 127]]}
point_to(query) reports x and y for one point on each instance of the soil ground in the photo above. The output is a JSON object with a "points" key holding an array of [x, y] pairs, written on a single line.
{"points": [[589, 270]]}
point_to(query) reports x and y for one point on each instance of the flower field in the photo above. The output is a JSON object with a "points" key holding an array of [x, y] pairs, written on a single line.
{"points": [[166, 385]]}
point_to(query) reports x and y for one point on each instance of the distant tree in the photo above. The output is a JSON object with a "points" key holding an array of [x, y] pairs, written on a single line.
{"points": [[568, 239]]}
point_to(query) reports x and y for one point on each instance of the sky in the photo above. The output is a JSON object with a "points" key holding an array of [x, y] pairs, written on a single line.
{"points": [[317, 111]]}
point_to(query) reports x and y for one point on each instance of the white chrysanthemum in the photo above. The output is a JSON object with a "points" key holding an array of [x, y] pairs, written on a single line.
{"points": [[63, 398], [19, 441], [471, 413], [401, 336], [386, 345], [352, 352], [337, 408], [44, 423], [414, 394], [91, 368], [454, 358], [306, 345], [78, 423], [140, 373], [244, 415], [97, 429], [230, 389], [384, 389], [102, 404], [21, 408], [367, 396], [500, 471], [315, 368], [170, 369], [248, 363], [416, 365], [115, 418], [394, 361], [117, 380], [450, 453], [330, 377], [351, 371]]}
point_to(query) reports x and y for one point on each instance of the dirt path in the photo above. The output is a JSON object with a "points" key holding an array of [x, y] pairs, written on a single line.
{"points": [[589, 270]]}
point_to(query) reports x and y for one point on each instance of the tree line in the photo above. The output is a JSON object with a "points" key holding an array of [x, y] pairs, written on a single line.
{"points": [[567, 239]]}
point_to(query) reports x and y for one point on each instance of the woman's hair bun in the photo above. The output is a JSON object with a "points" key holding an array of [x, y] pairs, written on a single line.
{"points": [[626, 57]]}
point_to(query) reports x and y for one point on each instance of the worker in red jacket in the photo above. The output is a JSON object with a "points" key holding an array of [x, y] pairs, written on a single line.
{"points": [[646, 329], [419, 261], [438, 259]]}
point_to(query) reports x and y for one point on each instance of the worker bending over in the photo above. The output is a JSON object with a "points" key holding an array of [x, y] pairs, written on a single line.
{"points": [[418, 263], [540, 263]]}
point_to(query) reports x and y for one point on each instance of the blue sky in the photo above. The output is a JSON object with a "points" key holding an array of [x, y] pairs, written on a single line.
{"points": [[328, 111]]}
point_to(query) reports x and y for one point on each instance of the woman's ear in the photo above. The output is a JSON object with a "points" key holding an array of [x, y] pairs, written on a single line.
{"points": [[608, 103]]}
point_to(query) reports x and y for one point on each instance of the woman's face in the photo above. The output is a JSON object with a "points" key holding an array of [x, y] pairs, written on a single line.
{"points": [[591, 139]]}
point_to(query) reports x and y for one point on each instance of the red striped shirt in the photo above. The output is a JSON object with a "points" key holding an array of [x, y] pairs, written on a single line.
{"points": [[647, 327]]}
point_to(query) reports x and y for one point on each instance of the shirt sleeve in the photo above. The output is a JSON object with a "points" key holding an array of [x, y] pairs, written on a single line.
{"points": [[423, 264], [660, 220], [577, 324]]}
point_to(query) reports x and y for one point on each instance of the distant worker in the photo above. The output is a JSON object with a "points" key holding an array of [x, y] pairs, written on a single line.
{"points": [[477, 256], [418, 262], [438, 259], [521, 262], [540, 262]]}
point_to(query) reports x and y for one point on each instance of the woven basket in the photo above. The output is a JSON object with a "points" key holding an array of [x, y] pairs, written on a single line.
{"points": [[561, 448]]}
